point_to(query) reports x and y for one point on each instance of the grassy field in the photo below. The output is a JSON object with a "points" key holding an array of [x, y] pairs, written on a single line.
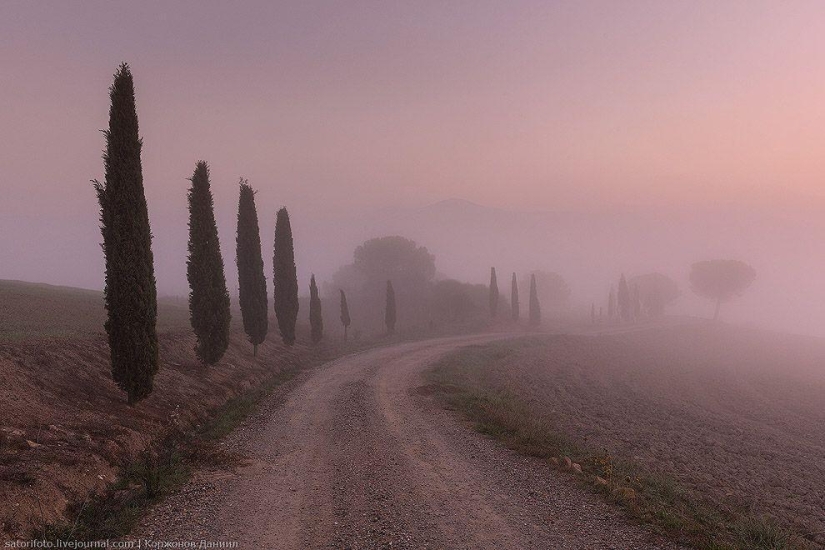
{"points": [[30, 311], [711, 434]]}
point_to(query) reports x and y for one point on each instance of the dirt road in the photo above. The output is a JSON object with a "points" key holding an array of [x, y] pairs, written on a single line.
{"points": [[358, 456]]}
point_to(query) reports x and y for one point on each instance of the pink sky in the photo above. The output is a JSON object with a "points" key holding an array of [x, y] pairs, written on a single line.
{"points": [[349, 106]]}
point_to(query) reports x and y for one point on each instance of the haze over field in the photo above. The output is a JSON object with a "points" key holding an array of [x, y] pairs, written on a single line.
{"points": [[592, 138]]}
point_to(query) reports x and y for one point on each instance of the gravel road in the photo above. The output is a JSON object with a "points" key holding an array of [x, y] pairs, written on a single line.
{"points": [[356, 455]]}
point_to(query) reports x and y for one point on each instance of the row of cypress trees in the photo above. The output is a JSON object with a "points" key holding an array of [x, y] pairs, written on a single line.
{"points": [[534, 307], [625, 304], [130, 293]]}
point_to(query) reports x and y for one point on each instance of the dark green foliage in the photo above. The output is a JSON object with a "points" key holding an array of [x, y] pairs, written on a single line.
{"points": [[389, 312], [345, 318], [285, 278], [625, 300], [493, 293], [251, 280], [514, 298], [130, 293], [208, 297], [316, 321], [535, 307]]}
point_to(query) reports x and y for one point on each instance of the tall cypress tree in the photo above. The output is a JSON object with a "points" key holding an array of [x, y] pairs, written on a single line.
{"points": [[130, 294], [493, 293], [208, 297], [514, 298], [316, 321], [624, 299], [285, 278], [345, 319], [389, 313], [535, 307], [251, 280], [611, 304]]}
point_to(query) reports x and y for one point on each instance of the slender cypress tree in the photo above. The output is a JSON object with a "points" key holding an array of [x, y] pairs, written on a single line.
{"points": [[535, 307], [625, 306], [611, 304], [592, 314], [251, 279], [208, 297], [345, 319], [130, 294], [316, 321], [514, 298], [285, 278], [493, 293], [389, 314]]}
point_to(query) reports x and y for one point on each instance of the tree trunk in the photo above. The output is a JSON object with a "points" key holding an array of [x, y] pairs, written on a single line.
{"points": [[345, 333], [254, 350]]}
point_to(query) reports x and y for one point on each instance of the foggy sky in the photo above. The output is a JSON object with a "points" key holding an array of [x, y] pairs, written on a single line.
{"points": [[339, 110]]}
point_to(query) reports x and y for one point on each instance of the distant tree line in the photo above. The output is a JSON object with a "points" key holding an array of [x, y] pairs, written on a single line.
{"points": [[649, 295]]}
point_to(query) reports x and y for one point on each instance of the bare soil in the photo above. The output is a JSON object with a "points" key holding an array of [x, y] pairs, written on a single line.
{"points": [[359, 455], [65, 428], [734, 414]]}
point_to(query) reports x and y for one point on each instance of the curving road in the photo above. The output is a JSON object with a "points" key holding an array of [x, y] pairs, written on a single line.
{"points": [[355, 457]]}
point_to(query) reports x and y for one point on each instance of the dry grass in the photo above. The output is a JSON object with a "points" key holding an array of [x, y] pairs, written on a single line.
{"points": [[664, 417], [33, 311]]}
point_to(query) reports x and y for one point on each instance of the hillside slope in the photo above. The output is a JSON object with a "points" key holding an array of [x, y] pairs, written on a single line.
{"points": [[65, 428], [32, 311]]}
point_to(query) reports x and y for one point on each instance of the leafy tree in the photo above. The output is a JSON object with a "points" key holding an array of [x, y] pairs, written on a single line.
{"points": [[251, 280], [409, 266], [208, 297], [721, 280], [656, 291], [493, 293], [389, 314], [535, 307], [130, 293], [624, 299], [514, 298], [345, 318], [285, 278], [316, 321]]}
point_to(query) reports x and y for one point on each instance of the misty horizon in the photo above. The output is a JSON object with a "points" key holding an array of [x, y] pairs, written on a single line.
{"points": [[588, 139]]}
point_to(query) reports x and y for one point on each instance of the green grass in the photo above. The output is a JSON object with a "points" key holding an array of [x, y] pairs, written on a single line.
{"points": [[650, 498]]}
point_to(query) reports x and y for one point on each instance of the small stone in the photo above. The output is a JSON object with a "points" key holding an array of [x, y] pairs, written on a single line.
{"points": [[567, 462], [600, 481], [577, 467]]}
